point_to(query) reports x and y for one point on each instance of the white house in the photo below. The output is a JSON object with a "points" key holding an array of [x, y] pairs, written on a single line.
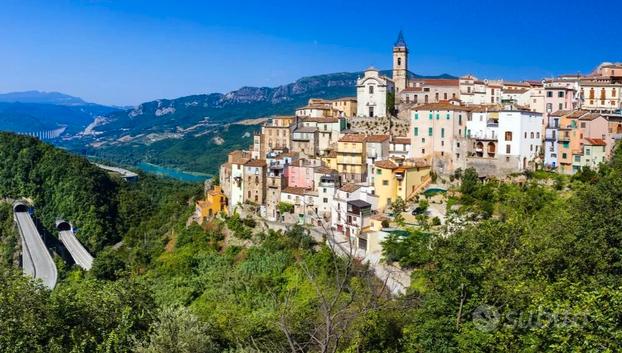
{"points": [[371, 94], [504, 141]]}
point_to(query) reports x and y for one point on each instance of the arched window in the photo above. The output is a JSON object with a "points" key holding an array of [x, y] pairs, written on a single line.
{"points": [[592, 93], [613, 92], [602, 93], [399, 61], [425, 98]]}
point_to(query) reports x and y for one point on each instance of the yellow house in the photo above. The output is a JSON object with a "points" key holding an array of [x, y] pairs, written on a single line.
{"points": [[330, 159], [352, 158], [399, 178], [214, 203]]}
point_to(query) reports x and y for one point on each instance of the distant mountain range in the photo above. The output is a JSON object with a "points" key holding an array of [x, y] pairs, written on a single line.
{"points": [[33, 111], [55, 98], [193, 114], [183, 132]]}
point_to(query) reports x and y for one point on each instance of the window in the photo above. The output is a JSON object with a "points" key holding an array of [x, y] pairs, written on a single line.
{"points": [[577, 158], [423, 151], [436, 96], [531, 147], [448, 116], [560, 94], [325, 200], [416, 131], [442, 143], [508, 135], [459, 119], [438, 116], [399, 61], [549, 94], [587, 151], [371, 112], [445, 96], [430, 131], [407, 99], [378, 171], [531, 136], [537, 135], [583, 125], [385, 182], [549, 107], [416, 116], [508, 149], [430, 116], [560, 106], [371, 89], [442, 132], [425, 98]]}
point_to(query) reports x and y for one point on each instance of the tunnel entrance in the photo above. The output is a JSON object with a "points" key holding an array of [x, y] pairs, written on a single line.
{"points": [[63, 226], [20, 207]]}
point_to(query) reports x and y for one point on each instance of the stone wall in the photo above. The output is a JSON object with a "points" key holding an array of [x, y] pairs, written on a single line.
{"points": [[380, 126]]}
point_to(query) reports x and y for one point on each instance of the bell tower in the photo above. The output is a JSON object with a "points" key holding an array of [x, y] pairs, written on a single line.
{"points": [[400, 64]]}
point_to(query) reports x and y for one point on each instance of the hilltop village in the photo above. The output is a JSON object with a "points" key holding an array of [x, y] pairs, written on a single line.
{"points": [[342, 165]]}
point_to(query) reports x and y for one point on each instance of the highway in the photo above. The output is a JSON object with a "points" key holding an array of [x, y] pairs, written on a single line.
{"points": [[36, 259], [79, 254]]}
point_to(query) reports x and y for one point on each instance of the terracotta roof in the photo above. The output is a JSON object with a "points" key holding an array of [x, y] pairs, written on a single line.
{"points": [[325, 170], [332, 154], [590, 116], [377, 138], [577, 114], [486, 108], [239, 157], [441, 106], [439, 82], [595, 142], [401, 140], [385, 164], [561, 113], [294, 190], [255, 163], [417, 162], [352, 138], [325, 120], [350, 187]]}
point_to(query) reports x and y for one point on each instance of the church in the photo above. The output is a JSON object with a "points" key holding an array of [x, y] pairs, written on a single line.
{"points": [[374, 89]]}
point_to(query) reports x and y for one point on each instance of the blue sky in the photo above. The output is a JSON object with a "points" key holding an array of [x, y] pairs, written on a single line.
{"points": [[128, 51]]}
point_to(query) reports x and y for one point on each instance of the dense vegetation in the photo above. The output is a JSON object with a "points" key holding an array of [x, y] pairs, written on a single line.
{"points": [[198, 154], [536, 268]]}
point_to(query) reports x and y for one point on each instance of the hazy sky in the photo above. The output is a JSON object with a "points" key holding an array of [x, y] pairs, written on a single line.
{"points": [[128, 51]]}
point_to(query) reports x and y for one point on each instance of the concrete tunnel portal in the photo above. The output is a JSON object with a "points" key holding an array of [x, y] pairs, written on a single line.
{"points": [[20, 207], [63, 226]]}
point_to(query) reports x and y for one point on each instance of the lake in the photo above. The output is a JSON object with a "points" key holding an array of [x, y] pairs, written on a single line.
{"points": [[191, 177]]}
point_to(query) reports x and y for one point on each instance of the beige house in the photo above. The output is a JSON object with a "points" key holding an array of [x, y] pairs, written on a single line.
{"points": [[438, 133]]}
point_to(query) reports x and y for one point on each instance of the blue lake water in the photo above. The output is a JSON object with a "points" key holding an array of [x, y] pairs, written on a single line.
{"points": [[191, 177]]}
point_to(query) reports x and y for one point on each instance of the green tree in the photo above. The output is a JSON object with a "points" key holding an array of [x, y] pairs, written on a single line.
{"points": [[177, 330]]}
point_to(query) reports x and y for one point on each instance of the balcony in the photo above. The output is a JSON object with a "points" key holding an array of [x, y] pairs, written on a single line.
{"points": [[563, 138]]}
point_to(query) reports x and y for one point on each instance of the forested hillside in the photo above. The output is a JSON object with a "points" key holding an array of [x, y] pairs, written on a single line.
{"points": [[535, 269]]}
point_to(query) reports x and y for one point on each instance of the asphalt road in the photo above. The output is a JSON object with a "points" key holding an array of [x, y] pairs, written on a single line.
{"points": [[77, 251], [37, 260]]}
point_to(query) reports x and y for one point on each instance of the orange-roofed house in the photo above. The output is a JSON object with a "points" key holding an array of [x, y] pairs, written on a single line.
{"points": [[395, 178], [214, 203]]}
